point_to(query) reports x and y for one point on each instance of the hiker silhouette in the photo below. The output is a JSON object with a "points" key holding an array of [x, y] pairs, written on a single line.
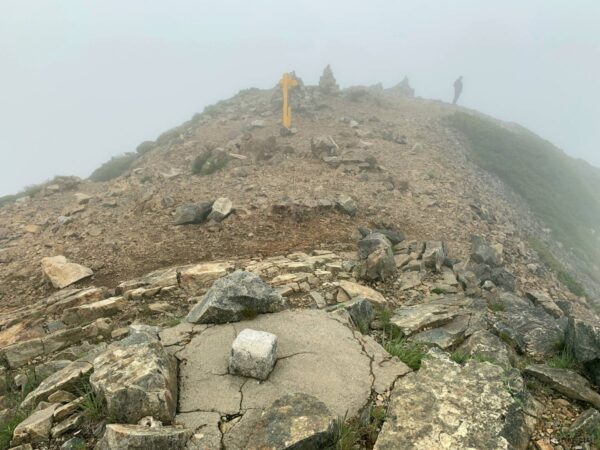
{"points": [[458, 87]]}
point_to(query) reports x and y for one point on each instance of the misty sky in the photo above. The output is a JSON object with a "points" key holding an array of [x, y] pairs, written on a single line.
{"points": [[81, 81]]}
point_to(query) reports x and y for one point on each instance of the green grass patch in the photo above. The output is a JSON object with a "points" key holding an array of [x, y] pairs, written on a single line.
{"points": [[353, 434], [460, 356], [553, 264], [114, 167], [410, 353], [496, 306], [563, 192], [14, 396], [93, 406], [564, 358]]}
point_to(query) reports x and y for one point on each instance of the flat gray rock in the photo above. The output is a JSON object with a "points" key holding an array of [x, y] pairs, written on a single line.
{"points": [[340, 376]]}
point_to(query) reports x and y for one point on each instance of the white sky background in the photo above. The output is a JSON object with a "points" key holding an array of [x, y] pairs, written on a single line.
{"points": [[83, 80]]}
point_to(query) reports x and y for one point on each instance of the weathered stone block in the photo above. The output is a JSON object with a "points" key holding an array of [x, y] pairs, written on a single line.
{"points": [[253, 354]]}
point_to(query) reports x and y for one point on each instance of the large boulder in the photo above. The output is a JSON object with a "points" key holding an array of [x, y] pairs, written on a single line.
{"points": [[446, 406], [238, 296], [376, 258], [140, 437], [583, 339], [192, 213], [62, 273], [137, 380], [294, 421], [533, 331]]}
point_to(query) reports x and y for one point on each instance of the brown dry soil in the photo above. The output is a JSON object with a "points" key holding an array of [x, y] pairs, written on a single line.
{"points": [[425, 188]]}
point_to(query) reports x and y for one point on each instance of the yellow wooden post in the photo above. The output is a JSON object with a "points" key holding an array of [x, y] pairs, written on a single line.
{"points": [[286, 82]]}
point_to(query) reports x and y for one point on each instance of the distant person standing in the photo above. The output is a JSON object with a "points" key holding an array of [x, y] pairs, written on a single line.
{"points": [[458, 86]]}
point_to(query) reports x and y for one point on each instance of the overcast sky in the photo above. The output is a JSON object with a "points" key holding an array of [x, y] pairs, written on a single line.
{"points": [[81, 81]]}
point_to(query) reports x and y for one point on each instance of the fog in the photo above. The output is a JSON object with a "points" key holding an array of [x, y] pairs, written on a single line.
{"points": [[81, 81]]}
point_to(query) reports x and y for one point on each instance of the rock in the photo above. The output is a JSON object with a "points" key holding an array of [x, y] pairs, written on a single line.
{"points": [[545, 302], [361, 312], [70, 423], [583, 338], [358, 290], [133, 437], [205, 428], [200, 276], [318, 299], [486, 346], [221, 208], [67, 379], [442, 407], [61, 397], [305, 353], [137, 380], [586, 424], [253, 354], [192, 213], [445, 320], [323, 146], [327, 83], [376, 258], [484, 254], [347, 205], [434, 255], [235, 297], [294, 421], [36, 428], [75, 443], [82, 198], [535, 332], [92, 311], [258, 123], [68, 409], [62, 273], [565, 381]]}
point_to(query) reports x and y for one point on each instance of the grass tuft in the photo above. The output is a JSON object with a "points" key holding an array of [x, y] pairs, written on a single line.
{"points": [[496, 306], [410, 353]]}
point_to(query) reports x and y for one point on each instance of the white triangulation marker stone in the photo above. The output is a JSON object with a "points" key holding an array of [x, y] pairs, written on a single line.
{"points": [[253, 354]]}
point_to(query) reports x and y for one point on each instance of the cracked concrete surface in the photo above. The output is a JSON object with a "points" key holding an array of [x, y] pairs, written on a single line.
{"points": [[321, 356]]}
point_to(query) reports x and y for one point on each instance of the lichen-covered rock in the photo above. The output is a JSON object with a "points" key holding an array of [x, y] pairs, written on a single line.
{"points": [[62, 273], [446, 406], [235, 297], [139, 437], [67, 379], [137, 380], [36, 427], [376, 258], [294, 421], [323, 146]]}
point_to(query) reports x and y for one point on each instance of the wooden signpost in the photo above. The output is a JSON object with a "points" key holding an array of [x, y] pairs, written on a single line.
{"points": [[286, 82]]}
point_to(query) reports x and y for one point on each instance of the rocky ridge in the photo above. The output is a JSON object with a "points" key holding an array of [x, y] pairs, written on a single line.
{"points": [[382, 296]]}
